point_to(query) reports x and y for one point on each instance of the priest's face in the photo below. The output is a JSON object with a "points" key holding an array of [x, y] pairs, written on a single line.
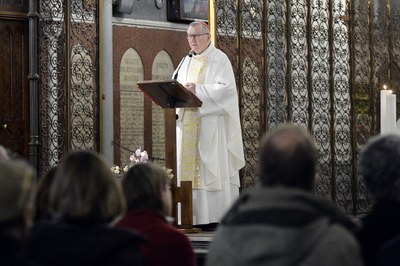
{"points": [[198, 39]]}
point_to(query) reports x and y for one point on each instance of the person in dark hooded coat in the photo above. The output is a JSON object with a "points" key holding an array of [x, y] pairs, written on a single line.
{"points": [[281, 222]]}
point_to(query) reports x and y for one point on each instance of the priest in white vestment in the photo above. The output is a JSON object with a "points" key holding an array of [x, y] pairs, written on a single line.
{"points": [[209, 138]]}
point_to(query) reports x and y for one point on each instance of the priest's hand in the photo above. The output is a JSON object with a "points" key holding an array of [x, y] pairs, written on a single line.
{"points": [[191, 87]]}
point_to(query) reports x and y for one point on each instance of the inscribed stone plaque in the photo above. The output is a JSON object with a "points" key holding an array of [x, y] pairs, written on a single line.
{"points": [[162, 70], [132, 104]]}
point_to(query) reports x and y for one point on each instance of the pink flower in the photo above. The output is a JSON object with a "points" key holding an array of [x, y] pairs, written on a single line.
{"points": [[137, 156], [144, 156]]}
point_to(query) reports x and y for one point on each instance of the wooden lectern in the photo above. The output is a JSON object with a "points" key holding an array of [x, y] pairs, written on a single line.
{"points": [[170, 94]]}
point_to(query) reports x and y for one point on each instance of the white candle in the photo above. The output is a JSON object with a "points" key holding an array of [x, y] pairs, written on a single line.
{"points": [[179, 212], [391, 113], [384, 124]]}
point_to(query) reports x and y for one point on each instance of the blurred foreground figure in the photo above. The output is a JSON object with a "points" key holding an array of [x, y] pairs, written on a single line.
{"points": [[85, 199], [4, 155], [17, 193], [282, 222], [380, 168], [43, 211], [148, 195]]}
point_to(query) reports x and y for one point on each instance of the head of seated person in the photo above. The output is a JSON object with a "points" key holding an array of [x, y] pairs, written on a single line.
{"points": [[147, 186], [4, 154], [289, 158], [42, 195], [84, 190], [17, 197], [380, 167]]}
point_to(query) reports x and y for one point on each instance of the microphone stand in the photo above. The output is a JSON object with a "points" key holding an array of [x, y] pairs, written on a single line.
{"points": [[191, 53]]}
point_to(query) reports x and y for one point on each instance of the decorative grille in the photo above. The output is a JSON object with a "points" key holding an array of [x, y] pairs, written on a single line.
{"points": [[69, 94], [319, 64]]}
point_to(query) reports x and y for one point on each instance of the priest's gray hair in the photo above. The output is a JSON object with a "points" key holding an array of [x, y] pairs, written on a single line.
{"points": [[204, 26]]}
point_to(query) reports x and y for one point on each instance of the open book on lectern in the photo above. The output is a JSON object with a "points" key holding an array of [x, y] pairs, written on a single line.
{"points": [[169, 93]]}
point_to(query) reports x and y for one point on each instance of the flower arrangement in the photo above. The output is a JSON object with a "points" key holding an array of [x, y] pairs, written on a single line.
{"points": [[137, 156]]}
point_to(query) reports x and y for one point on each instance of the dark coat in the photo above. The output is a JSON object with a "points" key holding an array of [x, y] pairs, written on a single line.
{"points": [[280, 226], [74, 245], [389, 254], [10, 252], [380, 225]]}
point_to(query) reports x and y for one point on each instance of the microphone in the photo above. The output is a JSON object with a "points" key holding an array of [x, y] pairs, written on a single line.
{"points": [[191, 53]]}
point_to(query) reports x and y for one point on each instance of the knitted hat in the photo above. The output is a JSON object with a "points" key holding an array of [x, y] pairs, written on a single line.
{"points": [[17, 188]]}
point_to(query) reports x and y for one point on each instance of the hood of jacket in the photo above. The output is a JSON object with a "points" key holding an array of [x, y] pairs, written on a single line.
{"points": [[276, 225]]}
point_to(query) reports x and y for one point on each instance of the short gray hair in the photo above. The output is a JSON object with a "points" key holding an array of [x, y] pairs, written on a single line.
{"points": [[380, 167], [204, 26]]}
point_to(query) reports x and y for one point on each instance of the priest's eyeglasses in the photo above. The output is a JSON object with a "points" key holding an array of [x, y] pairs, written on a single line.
{"points": [[195, 36]]}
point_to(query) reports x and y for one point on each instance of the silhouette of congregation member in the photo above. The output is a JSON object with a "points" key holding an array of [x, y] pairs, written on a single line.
{"points": [[85, 199], [4, 154], [17, 194], [389, 254], [380, 169], [281, 222], [43, 211], [148, 195]]}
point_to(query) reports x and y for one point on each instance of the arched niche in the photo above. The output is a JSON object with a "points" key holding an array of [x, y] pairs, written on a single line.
{"points": [[131, 105], [162, 69]]}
